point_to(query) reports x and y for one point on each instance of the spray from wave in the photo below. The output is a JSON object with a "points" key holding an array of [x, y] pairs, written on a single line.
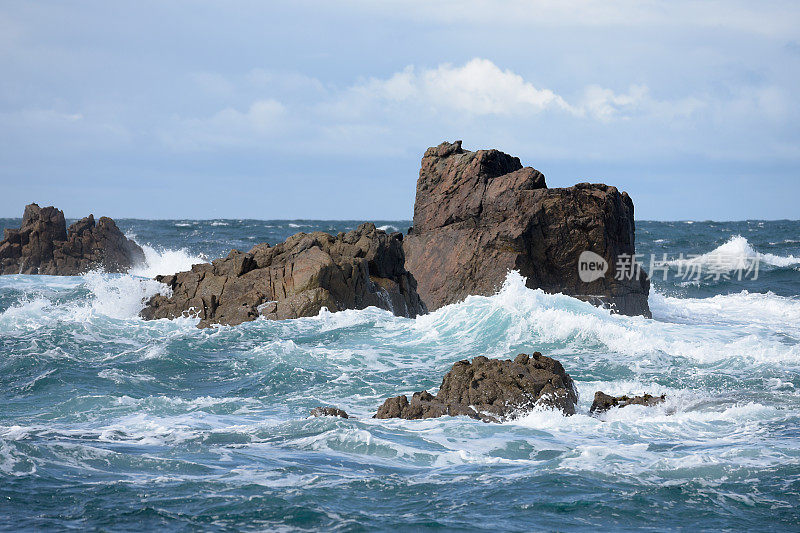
{"points": [[736, 254], [165, 261]]}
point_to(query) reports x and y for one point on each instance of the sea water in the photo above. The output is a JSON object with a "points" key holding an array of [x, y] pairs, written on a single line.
{"points": [[109, 422]]}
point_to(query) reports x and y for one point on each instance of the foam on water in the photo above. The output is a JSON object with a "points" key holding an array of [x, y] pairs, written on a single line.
{"points": [[737, 254], [102, 407], [165, 261]]}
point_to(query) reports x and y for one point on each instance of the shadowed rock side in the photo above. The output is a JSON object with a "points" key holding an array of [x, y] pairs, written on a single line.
{"points": [[603, 402], [480, 214], [491, 390], [296, 278], [44, 245]]}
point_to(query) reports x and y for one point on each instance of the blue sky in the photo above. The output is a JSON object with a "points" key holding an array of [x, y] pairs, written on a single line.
{"points": [[303, 109]]}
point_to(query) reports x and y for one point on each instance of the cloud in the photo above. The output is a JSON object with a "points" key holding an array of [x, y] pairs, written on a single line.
{"points": [[772, 19], [479, 87], [226, 128], [477, 99]]}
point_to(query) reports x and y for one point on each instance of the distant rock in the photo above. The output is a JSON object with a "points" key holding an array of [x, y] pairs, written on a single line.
{"points": [[296, 278], [491, 390], [603, 402], [480, 214], [44, 245], [329, 411]]}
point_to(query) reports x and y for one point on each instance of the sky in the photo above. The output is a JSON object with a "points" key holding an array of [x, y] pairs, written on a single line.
{"points": [[317, 109]]}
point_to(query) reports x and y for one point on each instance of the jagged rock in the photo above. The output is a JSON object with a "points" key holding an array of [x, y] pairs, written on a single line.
{"points": [[296, 278], [44, 245], [603, 402], [329, 411], [480, 214], [491, 390]]}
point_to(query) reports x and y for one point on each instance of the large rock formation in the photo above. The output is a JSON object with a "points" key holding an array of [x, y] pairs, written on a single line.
{"points": [[296, 278], [491, 390], [480, 214], [44, 245]]}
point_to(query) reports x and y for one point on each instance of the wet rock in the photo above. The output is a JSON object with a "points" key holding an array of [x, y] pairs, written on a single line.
{"points": [[491, 390], [603, 402], [328, 411], [297, 278], [44, 245], [480, 214]]}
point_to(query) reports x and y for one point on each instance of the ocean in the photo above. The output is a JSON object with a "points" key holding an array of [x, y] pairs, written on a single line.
{"points": [[108, 422]]}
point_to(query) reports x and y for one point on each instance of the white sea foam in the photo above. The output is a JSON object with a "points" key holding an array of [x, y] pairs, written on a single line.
{"points": [[736, 254], [165, 261], [120, 296], [388, 228]]}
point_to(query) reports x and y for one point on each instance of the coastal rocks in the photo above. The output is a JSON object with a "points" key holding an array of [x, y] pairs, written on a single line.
{"points": [[480, 214], [44, 245], [329, 411], [491, 390], [603, 402], [297, 278]]}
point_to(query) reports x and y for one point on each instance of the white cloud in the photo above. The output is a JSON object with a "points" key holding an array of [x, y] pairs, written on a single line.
{"points": [[605, 104], [479, 87]]}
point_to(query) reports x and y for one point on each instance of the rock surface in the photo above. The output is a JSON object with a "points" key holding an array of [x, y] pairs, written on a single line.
{"points": [[491, 390], [296, 278], [44, 245], [329, 411], [480, 214], [603, 402]]}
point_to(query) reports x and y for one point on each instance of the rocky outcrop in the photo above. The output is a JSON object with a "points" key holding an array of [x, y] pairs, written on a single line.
{"points": [[296, 278], [491, 390], [480, 214], [44, 245], [329, 411], [603, 402]]}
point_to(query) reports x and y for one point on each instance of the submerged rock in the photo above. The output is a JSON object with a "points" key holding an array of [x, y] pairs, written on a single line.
{"points": [[329, 411], [480, 214], [603, 402], [44, 245], [491, 390], [297, 278]]}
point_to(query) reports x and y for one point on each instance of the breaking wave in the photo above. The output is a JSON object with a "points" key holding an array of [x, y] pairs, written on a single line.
{"points": [[165, 261], [737, 254]]}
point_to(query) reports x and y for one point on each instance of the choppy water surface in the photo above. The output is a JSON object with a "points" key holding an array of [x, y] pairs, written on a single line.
{"points": [[110, 422]]}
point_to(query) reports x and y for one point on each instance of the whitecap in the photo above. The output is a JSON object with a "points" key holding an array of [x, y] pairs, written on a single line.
{"points": [[735, 254], [165, 261]]}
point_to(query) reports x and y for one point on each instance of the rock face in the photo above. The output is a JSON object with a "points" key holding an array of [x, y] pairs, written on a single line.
{"points": [[329, 411], [480, 214], [603, 402], [491, 390], [44, 245], [294, 279]]}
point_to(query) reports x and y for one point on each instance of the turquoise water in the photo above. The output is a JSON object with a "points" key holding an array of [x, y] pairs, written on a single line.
{"points": [[112, 423]]}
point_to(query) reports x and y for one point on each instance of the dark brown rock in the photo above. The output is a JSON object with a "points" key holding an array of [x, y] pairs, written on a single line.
{"points": [[491, 390], [480, 214], [43, 245], [603, 402], [296, 278], [329, 411]]}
